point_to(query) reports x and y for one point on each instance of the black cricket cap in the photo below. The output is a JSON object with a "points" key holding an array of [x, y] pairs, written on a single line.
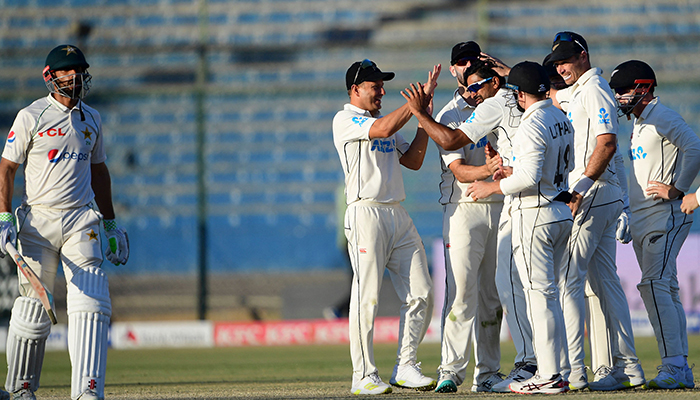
{"points": [[65, 56], [463, 50], [529, 77], [567, 44], [625, 74], [368, 72]]}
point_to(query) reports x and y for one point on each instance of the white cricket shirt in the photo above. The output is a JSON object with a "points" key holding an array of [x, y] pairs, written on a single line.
{"points": [[451, 190], [371, 166], [542, 150], [592, 111], [663, 148], [56, 148], [497, 115]]}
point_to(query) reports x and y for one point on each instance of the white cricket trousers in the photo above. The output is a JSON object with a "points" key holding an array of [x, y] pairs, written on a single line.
{"points": [[382, 237], [471, 308], [540, 237], [658, 233], [47, 236], [592, 256], [511, 293]]}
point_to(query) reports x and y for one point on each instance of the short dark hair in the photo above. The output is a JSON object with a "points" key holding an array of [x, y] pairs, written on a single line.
{"points": [[484, 69]]}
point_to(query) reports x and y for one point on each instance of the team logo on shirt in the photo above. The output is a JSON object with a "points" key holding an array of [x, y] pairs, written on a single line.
{"points": [[11, 137], [604, 117], [92, 235], [359, 120], [480, 144], [471, 118], [383, 146], [637, 154], [56, 155]]}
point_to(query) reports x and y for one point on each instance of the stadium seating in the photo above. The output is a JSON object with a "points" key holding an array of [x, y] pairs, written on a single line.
{"points": [[275, 79]]}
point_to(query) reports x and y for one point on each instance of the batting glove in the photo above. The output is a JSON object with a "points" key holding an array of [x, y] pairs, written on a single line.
{"points": [[118, 250], [8, 231], [622, 233]]}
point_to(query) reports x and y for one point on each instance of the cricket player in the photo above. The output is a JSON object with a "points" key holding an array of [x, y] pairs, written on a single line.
{"points": [[496, 115], [381, 236], [597, 202], [472, 308], [665, 155], [541, 221], [59, 140]]}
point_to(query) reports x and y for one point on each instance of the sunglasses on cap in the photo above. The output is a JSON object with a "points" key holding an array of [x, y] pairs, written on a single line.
{"points": [[464, 61], [366, 63], [476, 86], [567, 37]]}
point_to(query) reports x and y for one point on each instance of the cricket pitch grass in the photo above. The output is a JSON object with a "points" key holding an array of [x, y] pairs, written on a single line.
{"points": [[295, 372]]}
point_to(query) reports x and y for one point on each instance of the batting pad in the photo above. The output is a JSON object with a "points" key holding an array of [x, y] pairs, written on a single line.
{"points": [[89, 311], [26, 341]]}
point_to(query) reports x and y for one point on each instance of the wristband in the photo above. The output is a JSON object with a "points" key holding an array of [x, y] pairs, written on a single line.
{"points": [[584, 183], [7, 217], [110, 224]]}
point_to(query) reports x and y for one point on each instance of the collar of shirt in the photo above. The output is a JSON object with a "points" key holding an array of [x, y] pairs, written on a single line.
{"points": [[460, 101], [60, 106], [366, 113], [647, 110], [584, 78], [537, 106]]}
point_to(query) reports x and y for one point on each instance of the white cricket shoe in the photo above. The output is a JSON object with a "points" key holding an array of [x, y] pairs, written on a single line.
{"points": [[409, 376], [447, 382], [370, 384], [578, 379], [89, 395], [536, 384], [522, 371], [669, 377], [23, 394], [616, 378], [488, 384]]}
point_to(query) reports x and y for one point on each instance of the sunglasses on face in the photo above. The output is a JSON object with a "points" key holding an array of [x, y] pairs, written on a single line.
{"points": [[476, 86], [567, 37], [363, 65], [464, 61]]}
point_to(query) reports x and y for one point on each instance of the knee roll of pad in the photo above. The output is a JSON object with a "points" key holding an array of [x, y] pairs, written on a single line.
{"points": [[26, 342], [89, 311], [88, 291]]}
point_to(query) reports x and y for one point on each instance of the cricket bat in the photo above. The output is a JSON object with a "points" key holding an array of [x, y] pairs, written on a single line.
{"points": [[45, 295]]}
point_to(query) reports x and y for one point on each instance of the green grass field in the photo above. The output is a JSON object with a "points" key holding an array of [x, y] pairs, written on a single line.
{"points": [[300, 372]]}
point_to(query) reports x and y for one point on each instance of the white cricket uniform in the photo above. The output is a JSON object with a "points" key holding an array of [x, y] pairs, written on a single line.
{"points": [[664, 149], [601, 352], [498, 115], [592, 112], [470, 228], [57, 149], [381, 235], [542, 152], [56, 223]]}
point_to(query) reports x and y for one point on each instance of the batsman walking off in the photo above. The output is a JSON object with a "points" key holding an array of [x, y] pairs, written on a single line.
{"points": [[59, 140], [381, 235]]}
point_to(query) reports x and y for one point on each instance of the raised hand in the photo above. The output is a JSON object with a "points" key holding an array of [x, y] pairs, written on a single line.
{"points": [[433, 75], [418, 101]]}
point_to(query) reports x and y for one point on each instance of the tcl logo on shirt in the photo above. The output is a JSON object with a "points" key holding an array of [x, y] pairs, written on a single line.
{"points": [[56, 155], [52, 132]]}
